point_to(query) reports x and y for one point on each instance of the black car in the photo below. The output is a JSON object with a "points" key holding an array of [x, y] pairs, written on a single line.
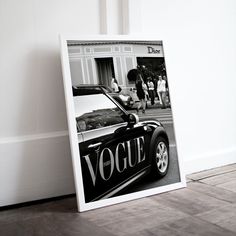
{"points": [[123, 99], [116, 149]]}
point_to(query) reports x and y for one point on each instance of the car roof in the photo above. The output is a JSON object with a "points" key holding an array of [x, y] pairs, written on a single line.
{"points": [[88, 89]]}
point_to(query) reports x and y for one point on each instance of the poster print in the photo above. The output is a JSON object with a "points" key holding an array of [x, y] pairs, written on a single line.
{"points": [[120, 120]]}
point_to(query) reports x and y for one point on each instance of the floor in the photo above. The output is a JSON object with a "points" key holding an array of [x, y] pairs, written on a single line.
{"points": [[206, 207]]}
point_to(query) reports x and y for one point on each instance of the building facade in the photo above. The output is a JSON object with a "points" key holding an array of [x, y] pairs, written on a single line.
{"points": [[98, 62]]}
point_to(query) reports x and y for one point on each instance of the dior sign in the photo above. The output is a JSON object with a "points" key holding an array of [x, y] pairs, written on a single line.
{"points": [[153, 50]]}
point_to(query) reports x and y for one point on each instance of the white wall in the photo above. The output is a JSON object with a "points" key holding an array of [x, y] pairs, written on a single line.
{"points": [[35, 157], [199, 43], [200, 35]]}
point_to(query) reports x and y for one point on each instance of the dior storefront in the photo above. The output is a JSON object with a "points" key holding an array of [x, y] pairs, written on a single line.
{"points": [[96, 62]]}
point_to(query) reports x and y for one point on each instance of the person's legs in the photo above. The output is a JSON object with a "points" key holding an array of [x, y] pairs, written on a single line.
{"points": [[146, 99], [163, 97], [152, 96], [159, 96], [143, 101], [139, 104]]}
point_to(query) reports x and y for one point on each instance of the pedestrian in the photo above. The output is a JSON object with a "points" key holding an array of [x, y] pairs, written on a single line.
{"points": [[161, 91], [140, 93], [155, 79], [145, 89], [114, 85], [151, 90], [167, 95]]}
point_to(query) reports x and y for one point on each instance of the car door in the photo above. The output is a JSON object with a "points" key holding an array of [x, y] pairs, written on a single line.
{"points": [[113, 155]]}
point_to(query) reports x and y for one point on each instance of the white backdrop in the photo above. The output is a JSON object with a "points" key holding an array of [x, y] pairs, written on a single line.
{"points": [[201, 66], [199, 41]]}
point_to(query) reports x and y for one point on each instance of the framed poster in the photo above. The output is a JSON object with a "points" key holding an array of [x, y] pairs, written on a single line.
{"points": [[120, 119]]}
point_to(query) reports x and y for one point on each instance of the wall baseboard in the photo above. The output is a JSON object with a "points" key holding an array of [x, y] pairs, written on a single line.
{"points": [[32, 137], [210, 160], [35, 167]]}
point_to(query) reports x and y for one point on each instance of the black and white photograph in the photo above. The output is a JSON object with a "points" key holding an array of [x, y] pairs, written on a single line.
{"points": [[120, 119]]}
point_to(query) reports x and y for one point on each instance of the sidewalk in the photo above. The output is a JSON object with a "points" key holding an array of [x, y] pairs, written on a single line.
{"points": [[156, 105]]}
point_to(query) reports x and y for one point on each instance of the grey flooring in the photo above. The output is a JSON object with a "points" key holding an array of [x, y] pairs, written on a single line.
{"points": [[206, 207]]}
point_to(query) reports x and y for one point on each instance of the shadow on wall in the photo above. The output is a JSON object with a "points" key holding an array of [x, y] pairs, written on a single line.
{"points": [[41, 101], [45, 168], [37, 169], [37, 161]]}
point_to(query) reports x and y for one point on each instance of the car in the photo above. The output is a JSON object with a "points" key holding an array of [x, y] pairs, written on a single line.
{"points": [[116, 150], [123, 99]]}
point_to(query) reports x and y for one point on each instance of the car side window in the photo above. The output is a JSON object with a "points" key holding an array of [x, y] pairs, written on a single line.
{"points": [[96, 111]]}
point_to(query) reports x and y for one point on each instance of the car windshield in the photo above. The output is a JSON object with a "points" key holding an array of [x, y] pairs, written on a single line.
{"points": [[107, 89], [96, 111]]}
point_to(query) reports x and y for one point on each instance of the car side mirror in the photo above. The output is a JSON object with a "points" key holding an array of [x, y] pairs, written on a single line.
{"points": [[132, 119]]}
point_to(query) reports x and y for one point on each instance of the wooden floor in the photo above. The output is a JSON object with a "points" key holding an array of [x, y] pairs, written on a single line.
{"points": [[206, 207]]}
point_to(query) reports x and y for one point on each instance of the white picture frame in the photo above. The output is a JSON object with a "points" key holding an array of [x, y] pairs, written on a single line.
{"points": [[80, 57]]}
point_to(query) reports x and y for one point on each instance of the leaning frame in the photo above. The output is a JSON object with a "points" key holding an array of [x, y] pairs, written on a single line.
{"points": [[81, 58]]}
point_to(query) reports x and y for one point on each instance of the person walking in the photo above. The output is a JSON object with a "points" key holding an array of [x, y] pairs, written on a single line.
{"points": [[145, 89], [167, 94], [151, 89], [140, 93], [114, 85], [161, 91]]}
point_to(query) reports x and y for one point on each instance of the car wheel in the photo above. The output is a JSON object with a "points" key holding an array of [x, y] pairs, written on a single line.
{"points": [[160, 157]]}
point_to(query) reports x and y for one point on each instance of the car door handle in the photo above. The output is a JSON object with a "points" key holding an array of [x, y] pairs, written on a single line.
{"points": [[94, 145]]}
